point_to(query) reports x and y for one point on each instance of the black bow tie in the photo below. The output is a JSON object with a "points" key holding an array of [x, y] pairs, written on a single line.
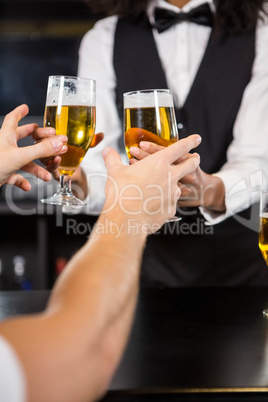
{"points": [[201, 15]]}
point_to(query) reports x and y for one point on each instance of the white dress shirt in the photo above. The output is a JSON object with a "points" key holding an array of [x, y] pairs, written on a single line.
{"points": [[181, 49], [12, 381]]}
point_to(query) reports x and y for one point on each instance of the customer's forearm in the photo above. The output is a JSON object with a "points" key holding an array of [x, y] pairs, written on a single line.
{"points": [[97, 294], [70, 352], [113, 273]]}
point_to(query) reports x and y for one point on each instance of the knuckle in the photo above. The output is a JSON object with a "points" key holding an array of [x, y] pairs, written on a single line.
{"points": [[191, 178], [196, 160], [192, 164]]}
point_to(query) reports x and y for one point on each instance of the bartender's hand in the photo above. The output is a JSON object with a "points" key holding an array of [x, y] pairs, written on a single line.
{"points": [[13, 158], [197, 189]]}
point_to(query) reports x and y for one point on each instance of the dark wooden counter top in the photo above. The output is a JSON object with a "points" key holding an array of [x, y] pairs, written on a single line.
{"points": [[186, 344]]}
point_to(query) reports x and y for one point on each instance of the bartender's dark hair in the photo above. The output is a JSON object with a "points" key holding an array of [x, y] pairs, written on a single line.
{"points": [[235, 16], [232, 16]]}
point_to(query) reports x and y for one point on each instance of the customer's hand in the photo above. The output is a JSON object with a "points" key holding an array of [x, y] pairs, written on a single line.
{"points": [[52, 164], [148, 191], [13, 158], [197, 189]]}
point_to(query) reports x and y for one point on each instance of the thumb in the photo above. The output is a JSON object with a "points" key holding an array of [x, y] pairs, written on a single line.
{"points": [[43, 149], [111, 158]]}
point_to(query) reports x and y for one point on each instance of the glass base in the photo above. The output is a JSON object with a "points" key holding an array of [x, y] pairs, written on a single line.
{"points": [[64, 196], [63, 199], [265, 312]]}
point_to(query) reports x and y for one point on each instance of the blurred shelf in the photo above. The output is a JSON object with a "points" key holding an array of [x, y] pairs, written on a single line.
{"points": [[36, 30], [45, 10]]}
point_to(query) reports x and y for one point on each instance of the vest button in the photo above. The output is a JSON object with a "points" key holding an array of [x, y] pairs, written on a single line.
{"points": [[181, 129]]}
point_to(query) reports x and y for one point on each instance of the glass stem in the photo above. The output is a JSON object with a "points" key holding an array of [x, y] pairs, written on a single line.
{"points": [[65, 188], [69, 187], [62, 182]]}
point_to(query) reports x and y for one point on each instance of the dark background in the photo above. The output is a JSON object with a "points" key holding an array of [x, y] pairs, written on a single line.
{"points": [[38, 38]]}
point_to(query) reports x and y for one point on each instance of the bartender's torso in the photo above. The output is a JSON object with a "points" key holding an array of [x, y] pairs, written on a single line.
{"points": [[189, 253]]}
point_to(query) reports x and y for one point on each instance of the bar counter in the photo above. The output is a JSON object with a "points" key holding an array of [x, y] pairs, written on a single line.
{"points": [[186, 344]]}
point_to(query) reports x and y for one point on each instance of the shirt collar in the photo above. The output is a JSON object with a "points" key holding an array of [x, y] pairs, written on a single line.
{"points": [[164, 4]]}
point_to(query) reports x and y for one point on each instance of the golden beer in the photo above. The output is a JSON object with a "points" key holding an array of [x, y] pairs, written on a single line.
{"points": [[263, 236], [78, 124], [149, 124]]}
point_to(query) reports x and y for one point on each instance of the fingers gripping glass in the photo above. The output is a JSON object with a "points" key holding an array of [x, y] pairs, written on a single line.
{"points": [[263, 231], [71, 110], [149, 116]]}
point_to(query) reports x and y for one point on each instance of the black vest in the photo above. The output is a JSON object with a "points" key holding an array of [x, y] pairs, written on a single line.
{"points": [[182, 255]]}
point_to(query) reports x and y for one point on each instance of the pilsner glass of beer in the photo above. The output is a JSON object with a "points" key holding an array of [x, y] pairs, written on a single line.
{"points": [[149, 116], [263, 230], [71, 110]]}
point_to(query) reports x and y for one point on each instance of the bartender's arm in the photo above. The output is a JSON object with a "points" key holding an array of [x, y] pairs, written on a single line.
{"points": [[70, 351]]}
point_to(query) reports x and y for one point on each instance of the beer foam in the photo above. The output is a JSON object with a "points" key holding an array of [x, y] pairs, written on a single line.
{"points": [[68, 91], [148, 99], [83, 98]]}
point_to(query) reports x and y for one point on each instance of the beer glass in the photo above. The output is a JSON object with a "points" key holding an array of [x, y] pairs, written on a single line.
{"points": [[263, 230], [71, 110], [149, 116]]}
